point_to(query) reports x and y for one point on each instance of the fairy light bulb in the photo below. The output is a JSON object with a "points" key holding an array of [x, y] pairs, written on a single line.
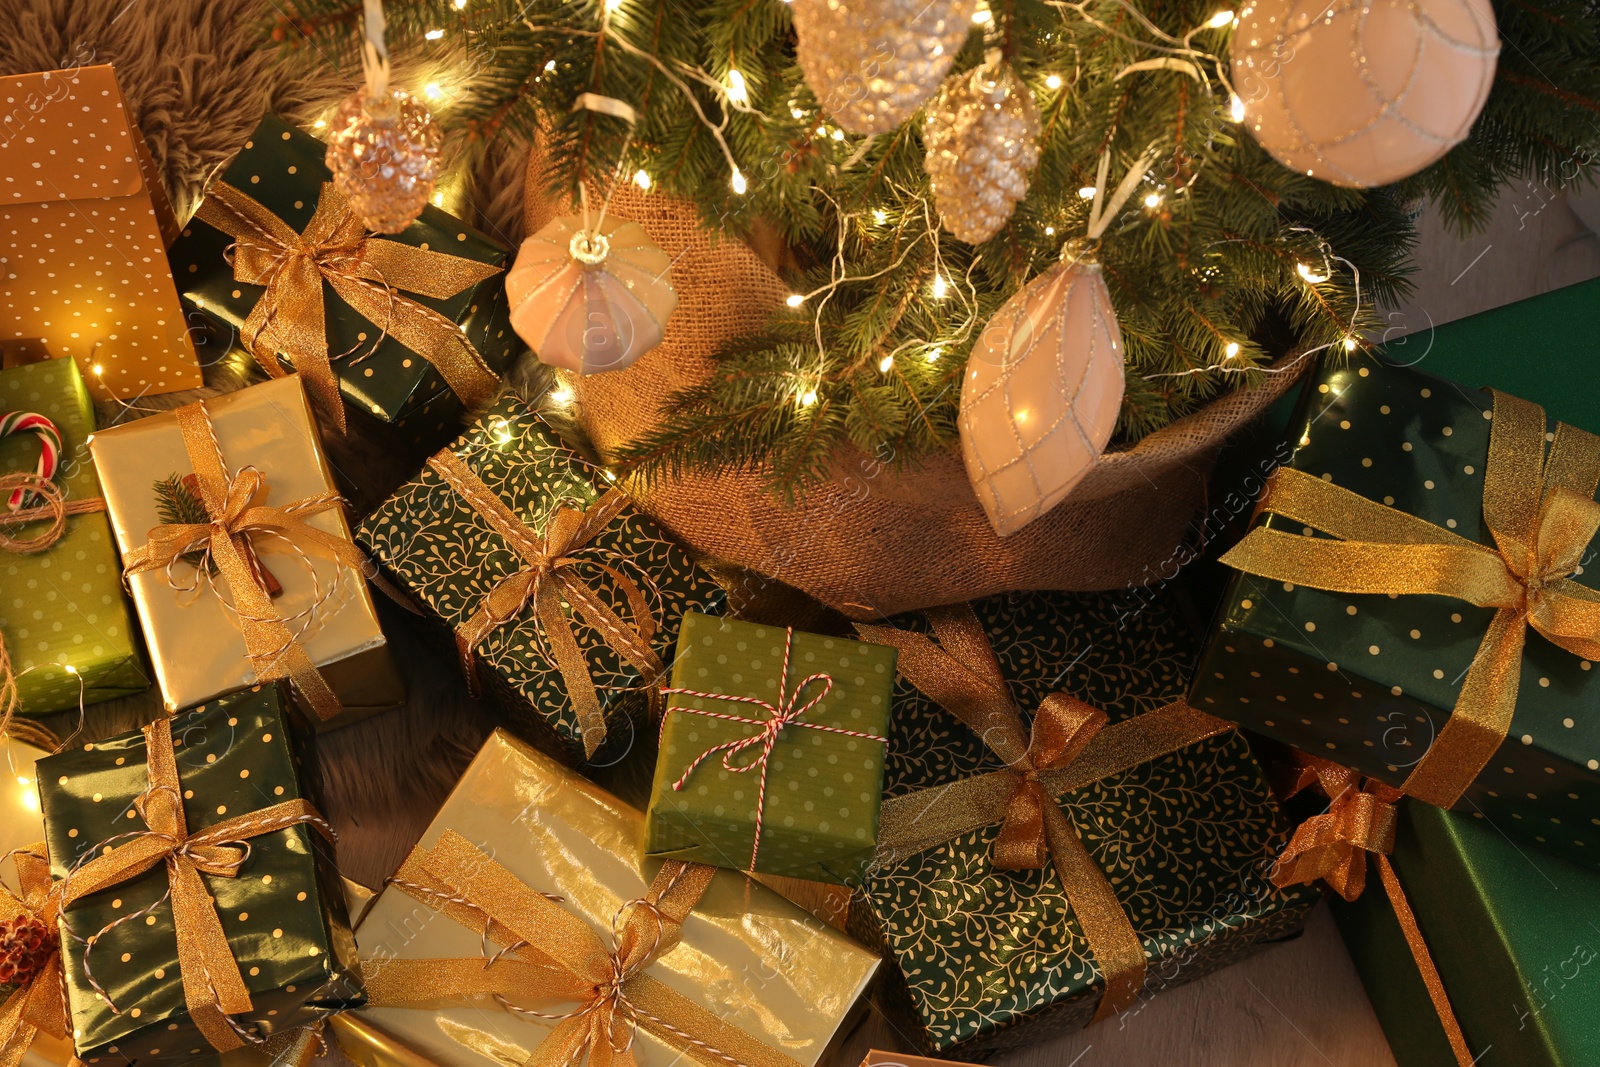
{"points": [[1231, 351], [808, 398], [1349, 344], [1312, 277], [940, 287], [738, 182], [1053, 82], [738, 92], [934, 353], [1220, 19], [880, 216], [642, 179], [1087, 192], [886, 364], [1153, 200], [561, 395], [1236, 108], [433, 35], [794, 300]]}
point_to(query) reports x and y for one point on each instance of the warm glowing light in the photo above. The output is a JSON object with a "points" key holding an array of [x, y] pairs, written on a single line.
{"points": [[1087, 192], [561, 395], [70, 669], [434, 35], [1236, 108], [611, 475], [612, 5], [432, 91], [1153, 200], [438, 200], [550, 66], [982, 17], [460, 4], [1231, 351], [838, 135], [738, 91], [940, 287], [797, 113], [319, 124], [808, 398], [1053, 82], [98, 370], [1349, 344], [1049, 231], [738, 182], [795, 300], [501, 429], [880, 216], [1311, 276], [886, 364], [1220, 19], [642, 179], [934, 353]]}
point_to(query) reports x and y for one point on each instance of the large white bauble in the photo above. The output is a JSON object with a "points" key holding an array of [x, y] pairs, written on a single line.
{"points": [[1042, 393], [590, 300], [1363, 92], [871, 63]]}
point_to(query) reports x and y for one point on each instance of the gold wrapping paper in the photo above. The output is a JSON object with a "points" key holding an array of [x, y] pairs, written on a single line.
{"points": [[194, 637], [756, 960]]}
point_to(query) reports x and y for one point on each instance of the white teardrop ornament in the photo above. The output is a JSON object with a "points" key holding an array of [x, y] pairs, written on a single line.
{"points": [[1042, 392], [590, 300]]}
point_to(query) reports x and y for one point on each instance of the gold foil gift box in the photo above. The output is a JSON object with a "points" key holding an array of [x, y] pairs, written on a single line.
{"points": [[257, 578], [590, 948]]}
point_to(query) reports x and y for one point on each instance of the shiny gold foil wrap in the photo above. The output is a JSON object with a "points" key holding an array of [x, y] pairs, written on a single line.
{"points": [[193, 634], [756, 960]]}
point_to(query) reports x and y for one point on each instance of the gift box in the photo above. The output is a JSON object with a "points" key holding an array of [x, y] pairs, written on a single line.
{"points": [[63, 618], [805, 806], [879, 1058], [83, 205], [208, 610], [551, 863], [1511, 932], [409, 328], [1059, 835], [562, 598], [205, 818], [1375, 623]]}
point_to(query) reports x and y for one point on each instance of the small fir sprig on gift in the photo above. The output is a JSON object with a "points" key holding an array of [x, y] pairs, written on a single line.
{"points": [[178, 503]]}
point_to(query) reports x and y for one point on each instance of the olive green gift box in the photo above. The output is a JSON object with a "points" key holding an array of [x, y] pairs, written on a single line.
{"points": [[64, 606], [822, 786], [438, 548], [283, 915], [986, 960], [1368, 680], [281, 166]]}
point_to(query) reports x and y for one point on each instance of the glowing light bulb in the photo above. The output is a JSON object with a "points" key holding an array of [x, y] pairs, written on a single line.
{"points": [[1153, 200], [1049, 231], [808, 398], [1053, 82], [880, 216], [838, 135], [438, 200], [738, 91], [98, 370], [982, 17], [1087, 192], [460, 4], [1220, 19], [940, 287], [319, 124], [886, 364], [432, 91], [561, 395], [501, 430], [433, 35], [612, 5], [1231, 351], [1236, 108], [611, 475], [934, 353], [1311, 276], [794, 300], [642, 179], [797, 113], [738, 182], [1349, 344], [550, 66]]}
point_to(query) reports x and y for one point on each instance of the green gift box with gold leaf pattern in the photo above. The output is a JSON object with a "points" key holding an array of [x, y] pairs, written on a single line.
{"points": [[772, 746], [203, 909], [1061, 836], [63, 617], [561, 599]]}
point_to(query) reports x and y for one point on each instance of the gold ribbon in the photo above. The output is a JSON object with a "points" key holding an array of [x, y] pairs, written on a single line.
{"points": [[213, 988], [366, 272], [1333, 846], [232, 503], [1070, 746], [549, 578], [38, 1005], [1541, 510], [555, 955]]}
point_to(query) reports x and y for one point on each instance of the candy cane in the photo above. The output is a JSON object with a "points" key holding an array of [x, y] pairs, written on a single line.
{"points": [[49, 447]]}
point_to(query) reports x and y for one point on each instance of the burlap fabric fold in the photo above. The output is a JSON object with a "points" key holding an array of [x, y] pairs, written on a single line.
{"points": [[873, 541]]}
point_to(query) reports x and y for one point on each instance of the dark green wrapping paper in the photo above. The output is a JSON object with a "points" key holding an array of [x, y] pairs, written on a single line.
{"points": [[1186, 841], [823, 789], [284, 915], [281, 166], [436, 546], [1368, 680], [1515, 934]]}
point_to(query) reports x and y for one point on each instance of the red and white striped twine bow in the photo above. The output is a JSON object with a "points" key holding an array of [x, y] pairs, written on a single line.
{"points": [[788, 711]]}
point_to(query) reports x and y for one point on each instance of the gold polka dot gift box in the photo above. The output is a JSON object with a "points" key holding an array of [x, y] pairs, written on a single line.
{"points": [[1412, 601], [772, 749], [410, 330], [1061, 837], [65, 628], [202, 908], [83, 266]]}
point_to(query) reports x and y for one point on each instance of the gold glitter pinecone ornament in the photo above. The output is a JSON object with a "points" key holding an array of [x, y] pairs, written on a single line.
{"points": [[871, 63], [982, 136], [384, 154]]}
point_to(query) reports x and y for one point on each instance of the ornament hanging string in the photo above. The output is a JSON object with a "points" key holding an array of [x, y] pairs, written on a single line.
{"points": [[374, 50], [604, 105]]}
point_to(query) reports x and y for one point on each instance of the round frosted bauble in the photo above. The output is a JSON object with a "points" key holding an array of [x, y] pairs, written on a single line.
{"points": [[1363, 93], [590, 301], [1041, 395]]}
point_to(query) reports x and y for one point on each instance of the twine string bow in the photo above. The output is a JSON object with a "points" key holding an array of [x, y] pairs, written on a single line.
{"points": [[37, 1005], [1541, 511], [365, 271], [552, 954], [549, 578], [788, 711], [237, 512], [1069, 746], [213, 988]]}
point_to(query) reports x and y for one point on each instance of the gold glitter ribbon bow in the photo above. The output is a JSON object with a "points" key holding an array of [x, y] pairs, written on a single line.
{"points": [[549, 578], [1333, 846], [552, 954], [365, 271], [232, 503], [1070, 746], [37, 1004], [213, 988], [1541, 510]]}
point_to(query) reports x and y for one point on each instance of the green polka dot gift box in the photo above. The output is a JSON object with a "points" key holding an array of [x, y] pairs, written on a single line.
{"points": [[985, 958], [555, 595], [264, 873], [1453, 657], [63, 616], [414, 357], [772, 749]]}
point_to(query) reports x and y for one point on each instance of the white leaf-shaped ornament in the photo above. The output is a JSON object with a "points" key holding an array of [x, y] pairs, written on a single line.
{"points": [[590, 300], [1041, 396]]}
